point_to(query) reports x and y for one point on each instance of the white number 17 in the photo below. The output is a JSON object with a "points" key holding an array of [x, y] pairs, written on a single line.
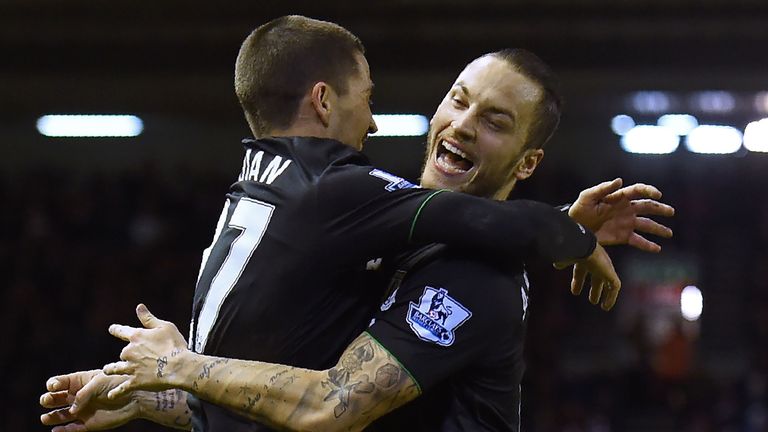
{"points": [[251, 217]]}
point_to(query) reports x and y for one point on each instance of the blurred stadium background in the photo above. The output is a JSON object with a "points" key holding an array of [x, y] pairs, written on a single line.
{"points": [[92, 226]]}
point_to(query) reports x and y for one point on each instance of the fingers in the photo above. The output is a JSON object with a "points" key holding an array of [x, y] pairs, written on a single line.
{"points": [[612, 287], [635, 192], [56, 399], [57, 383], [611, 295], [639, 242], [118, 368], [579, 276], [71, 427], [650, 226], [602, 190], [147, 319], [120, 390], [595, 291], [652, 208], [91, 390], [57, 417], [122, 332]]}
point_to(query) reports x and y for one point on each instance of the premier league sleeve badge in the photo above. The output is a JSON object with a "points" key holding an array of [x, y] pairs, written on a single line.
{"points": [[437, 316]]}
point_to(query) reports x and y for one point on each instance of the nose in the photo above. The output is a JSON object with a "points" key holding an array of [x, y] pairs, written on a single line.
{"points": [[464, 124], [372, 128]]}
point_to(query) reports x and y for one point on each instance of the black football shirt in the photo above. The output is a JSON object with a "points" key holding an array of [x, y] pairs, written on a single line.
{"points": [[457, 325], [285, 279]]}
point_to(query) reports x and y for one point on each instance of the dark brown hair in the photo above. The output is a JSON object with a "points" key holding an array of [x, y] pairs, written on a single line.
{"points": [[282, 59], [547, 113]]}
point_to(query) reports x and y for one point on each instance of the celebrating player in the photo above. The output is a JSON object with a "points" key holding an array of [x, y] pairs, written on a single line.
{"points": [[267, 294]]}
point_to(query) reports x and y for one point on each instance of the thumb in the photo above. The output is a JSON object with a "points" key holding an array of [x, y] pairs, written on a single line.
{"points": [[145, 316]]}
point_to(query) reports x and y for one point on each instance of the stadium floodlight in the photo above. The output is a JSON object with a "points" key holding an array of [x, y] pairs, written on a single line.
{"points": [[691, 303], [648, 139], [400, 125], [621, 124], [682, 124], [650, 101], [97, 126], [756, 136], [714, 101], [714, 139]]}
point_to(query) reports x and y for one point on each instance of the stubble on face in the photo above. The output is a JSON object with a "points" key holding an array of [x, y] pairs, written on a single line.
{"points": [[487, 86]]}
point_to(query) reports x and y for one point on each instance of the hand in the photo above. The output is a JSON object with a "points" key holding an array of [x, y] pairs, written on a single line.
{"points": [[614, 214], [602, 275], [78, 402], [151, 358]]}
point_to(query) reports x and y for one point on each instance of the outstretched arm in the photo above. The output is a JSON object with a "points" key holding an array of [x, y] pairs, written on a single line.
{"points": [[366, 383], [517, 228]]}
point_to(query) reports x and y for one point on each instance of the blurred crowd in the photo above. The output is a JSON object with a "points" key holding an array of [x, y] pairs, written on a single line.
{"points": [[79, 251]]}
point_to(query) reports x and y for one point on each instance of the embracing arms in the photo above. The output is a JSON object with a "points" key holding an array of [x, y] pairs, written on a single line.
{"points": [[366, 383]]}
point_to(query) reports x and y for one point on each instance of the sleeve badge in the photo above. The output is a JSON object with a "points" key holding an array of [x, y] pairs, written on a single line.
{"points": [[437, 316]]}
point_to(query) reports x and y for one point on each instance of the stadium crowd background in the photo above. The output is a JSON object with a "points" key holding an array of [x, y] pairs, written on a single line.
{"points": [[91, 227]]}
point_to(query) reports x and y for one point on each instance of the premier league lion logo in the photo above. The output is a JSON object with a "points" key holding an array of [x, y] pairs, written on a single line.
{"points": [[436, 316]]}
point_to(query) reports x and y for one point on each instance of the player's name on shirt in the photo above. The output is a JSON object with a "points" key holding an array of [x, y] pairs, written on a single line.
{"points": [[253, 162]]}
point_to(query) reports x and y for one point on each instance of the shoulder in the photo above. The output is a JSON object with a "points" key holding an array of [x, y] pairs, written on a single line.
{"points": [[482, 291], [469, 274]]}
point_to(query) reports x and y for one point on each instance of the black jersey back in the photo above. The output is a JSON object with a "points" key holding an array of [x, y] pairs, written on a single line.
{"points": [[282, 280]]}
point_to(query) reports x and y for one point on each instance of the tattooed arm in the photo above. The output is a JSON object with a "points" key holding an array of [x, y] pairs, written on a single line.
{"points": [[79, 401], [365, 384]]}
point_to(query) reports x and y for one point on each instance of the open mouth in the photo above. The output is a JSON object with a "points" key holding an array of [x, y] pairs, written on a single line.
{"points": [[451, 159]]}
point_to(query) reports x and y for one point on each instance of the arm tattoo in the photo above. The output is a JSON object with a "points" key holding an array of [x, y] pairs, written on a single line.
{"points": [[166, 400], [387, 375], [338, 377], [206, 372], [248, 406], [161, 363]]}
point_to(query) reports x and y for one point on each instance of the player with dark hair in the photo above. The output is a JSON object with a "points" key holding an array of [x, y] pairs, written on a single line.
{"points": [[281, 295]]}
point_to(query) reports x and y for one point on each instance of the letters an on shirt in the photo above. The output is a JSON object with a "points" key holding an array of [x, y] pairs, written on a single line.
{"points": [[437, 316]]}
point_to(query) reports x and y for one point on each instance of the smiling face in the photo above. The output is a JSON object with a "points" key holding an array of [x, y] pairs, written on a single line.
{"points": [[477, 137]]}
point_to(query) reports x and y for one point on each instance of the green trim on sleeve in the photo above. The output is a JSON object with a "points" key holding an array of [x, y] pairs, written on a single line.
{"points": [[418, 386], [418, 212]]}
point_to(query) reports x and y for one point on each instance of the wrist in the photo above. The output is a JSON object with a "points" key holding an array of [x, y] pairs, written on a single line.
{"points": [[142, 403], [185, 366]]}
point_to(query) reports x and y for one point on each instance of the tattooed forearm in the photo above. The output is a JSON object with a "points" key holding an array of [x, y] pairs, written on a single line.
{"points": [[339, 377], [165, 400], [207, 368], [251, 401], [168, 408], [365, 384]]}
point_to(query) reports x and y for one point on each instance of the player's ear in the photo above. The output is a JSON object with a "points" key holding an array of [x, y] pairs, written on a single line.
{"points": [[321, 98], [528, 162]]}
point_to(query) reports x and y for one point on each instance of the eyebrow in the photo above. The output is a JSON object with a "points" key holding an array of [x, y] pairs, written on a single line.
{"points": [[492, 110]]}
